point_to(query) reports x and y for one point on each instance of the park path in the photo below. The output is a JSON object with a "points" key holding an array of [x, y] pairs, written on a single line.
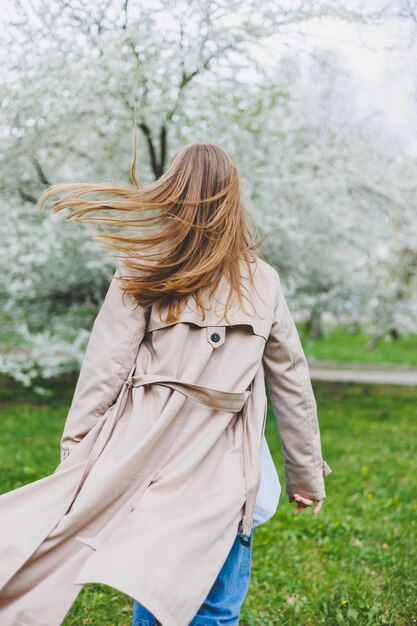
{"points": [[359, 372]]}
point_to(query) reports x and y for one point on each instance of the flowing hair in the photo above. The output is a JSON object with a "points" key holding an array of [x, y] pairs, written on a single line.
{"points": [[181, 233]]}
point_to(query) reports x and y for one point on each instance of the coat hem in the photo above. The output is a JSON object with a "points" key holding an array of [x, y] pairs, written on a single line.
{"points": [[162, 614]]}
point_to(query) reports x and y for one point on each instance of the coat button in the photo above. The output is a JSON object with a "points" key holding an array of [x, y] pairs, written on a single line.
{"points": [[215, 337]]}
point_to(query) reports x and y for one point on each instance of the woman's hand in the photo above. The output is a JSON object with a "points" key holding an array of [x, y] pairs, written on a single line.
{"points": [[302, 503]]}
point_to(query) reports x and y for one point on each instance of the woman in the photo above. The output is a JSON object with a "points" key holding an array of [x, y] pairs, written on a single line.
{"points": [[159, 486]]}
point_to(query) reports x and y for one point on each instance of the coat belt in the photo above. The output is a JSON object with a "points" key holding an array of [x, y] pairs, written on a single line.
{"points": [[213, 398]]}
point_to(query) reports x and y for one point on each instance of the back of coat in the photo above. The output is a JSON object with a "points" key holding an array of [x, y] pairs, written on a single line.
{"points": [[258, 339], [160, 455]]}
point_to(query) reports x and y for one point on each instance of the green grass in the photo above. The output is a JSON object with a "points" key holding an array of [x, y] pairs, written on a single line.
{"points": [[353, 564], [340, 344]]}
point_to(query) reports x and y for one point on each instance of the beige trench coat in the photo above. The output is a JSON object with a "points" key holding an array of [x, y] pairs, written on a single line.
{"points": [[160, 456]]}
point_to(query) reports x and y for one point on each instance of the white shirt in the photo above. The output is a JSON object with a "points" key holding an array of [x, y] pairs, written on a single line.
{"points": [[269, 491]]}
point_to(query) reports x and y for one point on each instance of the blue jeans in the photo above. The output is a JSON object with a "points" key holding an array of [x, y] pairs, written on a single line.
{"points": [[224, 600]]}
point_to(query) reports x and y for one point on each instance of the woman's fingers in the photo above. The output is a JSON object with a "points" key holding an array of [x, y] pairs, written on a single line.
{"points": [[318, 506], [298, 508], [303, 502]]}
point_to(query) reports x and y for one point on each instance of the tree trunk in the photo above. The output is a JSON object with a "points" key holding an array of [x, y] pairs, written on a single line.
{"points": [[373, 342], [158, 157], [314, 326], [394, 334]]}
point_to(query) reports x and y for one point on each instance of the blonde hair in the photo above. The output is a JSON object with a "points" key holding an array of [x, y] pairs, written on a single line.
{"points": [[180, 233]]}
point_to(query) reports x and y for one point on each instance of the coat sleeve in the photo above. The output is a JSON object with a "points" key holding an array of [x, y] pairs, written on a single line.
{"points": [[288, 380], [110, 354]]}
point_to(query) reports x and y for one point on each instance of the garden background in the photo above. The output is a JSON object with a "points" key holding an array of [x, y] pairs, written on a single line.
{"points": [[316, 102]]}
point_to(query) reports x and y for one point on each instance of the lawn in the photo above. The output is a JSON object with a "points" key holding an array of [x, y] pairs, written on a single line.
{"points": [[340, 344], [354, 564]]}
